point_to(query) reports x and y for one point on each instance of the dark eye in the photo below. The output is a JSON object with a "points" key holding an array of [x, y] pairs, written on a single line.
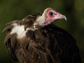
{"points": [[51, 13]]}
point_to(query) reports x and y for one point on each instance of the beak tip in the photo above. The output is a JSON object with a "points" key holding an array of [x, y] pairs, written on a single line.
{"points": [[65, 18]]}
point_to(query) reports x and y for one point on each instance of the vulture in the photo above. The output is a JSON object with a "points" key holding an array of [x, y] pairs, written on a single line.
{"points": [[34, 39]]}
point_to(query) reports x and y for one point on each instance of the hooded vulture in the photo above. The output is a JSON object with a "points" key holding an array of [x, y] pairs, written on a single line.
{"points": [[35, 40]]}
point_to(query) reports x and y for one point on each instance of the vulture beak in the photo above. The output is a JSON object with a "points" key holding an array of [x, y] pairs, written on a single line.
{"points": [[63, 17], [59, 16]]}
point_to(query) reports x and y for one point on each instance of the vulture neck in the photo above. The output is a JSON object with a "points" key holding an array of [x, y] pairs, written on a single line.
{"points": [[41, 19]]}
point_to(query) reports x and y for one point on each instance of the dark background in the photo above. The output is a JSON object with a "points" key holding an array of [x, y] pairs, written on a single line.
{"points": [[17, 9]]}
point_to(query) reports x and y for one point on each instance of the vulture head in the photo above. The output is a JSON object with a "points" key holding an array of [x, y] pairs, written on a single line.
{"points": [[49, 15]]}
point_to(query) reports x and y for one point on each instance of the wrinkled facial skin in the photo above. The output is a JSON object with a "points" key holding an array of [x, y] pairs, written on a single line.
{"points": [[51, 16]]}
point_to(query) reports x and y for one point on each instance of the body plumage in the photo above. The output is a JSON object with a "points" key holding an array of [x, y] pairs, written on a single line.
{"points": [[28, 42]]}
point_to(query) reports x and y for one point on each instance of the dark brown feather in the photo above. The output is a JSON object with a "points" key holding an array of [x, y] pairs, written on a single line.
{"points": [[7, 27], [10, 42], [15, 21], [29, 20], [8, 37]]}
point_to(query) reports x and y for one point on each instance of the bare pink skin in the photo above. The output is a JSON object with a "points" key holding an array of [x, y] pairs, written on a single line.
{"points": [[49, 19]]}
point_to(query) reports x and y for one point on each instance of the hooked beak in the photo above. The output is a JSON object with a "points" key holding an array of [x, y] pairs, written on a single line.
{"points": [[63, 17], [60, 16]]}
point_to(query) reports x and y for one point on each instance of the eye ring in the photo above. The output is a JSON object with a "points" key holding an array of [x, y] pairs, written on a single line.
{"points": [[51, 13]]}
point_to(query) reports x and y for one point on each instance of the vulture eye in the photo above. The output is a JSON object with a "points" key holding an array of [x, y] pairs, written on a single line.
{"points": [[51, 13]]}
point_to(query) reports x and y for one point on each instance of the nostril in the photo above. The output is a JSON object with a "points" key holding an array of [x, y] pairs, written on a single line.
{"points": [[55, 14]]}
